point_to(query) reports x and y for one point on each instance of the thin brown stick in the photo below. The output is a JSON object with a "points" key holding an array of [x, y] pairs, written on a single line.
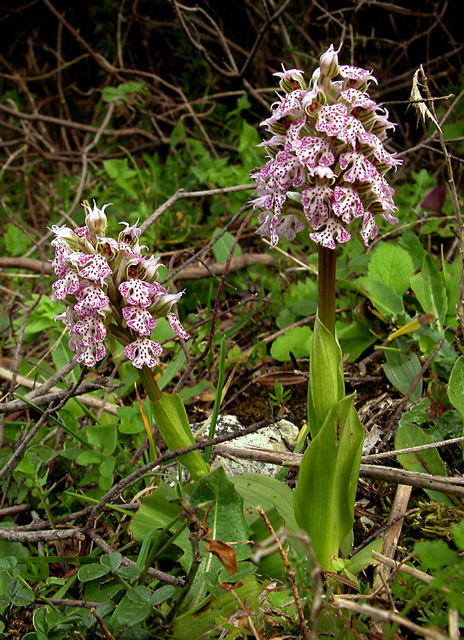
{"points": [[101, 624], [11, 535], [383, 574], [339, 602], [387, 474], [290, 573]]}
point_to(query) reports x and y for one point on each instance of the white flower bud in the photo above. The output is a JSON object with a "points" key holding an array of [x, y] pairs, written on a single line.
{"points": [[95, 220], [162, 303], [328, 63]]}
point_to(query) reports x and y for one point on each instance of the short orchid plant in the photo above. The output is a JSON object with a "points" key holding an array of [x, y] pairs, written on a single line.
{"points": [[326, 176], [111, 291]]}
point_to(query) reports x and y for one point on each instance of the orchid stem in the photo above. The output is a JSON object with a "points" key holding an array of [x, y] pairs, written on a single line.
{"points": [[326, 287], [150, 384]]}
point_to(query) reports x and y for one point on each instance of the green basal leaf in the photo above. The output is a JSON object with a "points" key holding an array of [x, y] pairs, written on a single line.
{"points": [[456, 386], [427, 461], [326, 488], [355, 338], [384, 298], [226, 518], [92, 571], [222, 247], [451, 275], [363, 558], [268, 493], [326, 385], [156, 512], [402, 368], [429, 287], [202, 619]]}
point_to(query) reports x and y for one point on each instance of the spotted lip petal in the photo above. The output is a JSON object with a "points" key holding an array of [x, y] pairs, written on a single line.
{"points": [[91, 299], [139, 319], [68, 284], [143, 352], [137, 292]]}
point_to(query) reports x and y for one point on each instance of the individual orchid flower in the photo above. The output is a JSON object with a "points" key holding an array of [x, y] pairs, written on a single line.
{"points": [[327, 145], [110, 287]]}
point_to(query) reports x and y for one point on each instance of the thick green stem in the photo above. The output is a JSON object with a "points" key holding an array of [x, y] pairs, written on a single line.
{"points": [[150, 384], [171, 419], [326, 288]]}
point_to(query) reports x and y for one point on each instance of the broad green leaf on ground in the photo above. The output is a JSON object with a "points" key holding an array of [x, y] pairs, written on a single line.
{"points": [[271, 565], [226, 518], [429, 287], [409, 241], [222, 247], [268, 493], [156, 512], [355, 339], [122, 91], [384, 298], [391, 265], [210, 613], [92, 571], [451, 275], [16, 242], [445, 358], [456, 386], [131, 420], [409, 434], [402, 368], [296, 340], [103, 436]]}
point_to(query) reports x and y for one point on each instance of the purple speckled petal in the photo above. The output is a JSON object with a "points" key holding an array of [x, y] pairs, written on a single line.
{"points": [[143, 352]]}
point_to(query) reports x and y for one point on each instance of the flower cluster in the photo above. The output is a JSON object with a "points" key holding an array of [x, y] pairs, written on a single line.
{"points": [[110, 287], [327, 157]]}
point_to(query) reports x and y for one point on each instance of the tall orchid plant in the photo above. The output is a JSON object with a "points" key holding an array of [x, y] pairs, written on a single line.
{"points": [[110, 289], [326, 176]]}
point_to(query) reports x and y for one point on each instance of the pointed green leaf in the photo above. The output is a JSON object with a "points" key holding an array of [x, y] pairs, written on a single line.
{"points": [[384, 298], [329, 471], [326, 386], [156, 512], [428, 461], [201, 620], [402, 368], [268, 493], [429, 287], [456, 386], [226, 519], [296, 340]]}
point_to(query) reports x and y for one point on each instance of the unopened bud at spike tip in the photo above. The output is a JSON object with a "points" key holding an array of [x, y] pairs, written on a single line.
{"points": [[328, 63], [96, 221]]}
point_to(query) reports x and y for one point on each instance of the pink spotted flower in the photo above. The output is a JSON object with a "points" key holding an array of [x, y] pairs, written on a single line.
{"points": [[327, 158], [109, 287]]}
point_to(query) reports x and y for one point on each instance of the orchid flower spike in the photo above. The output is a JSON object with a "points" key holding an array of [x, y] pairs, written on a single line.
{"points": [[327, 161], [109, 287]]}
